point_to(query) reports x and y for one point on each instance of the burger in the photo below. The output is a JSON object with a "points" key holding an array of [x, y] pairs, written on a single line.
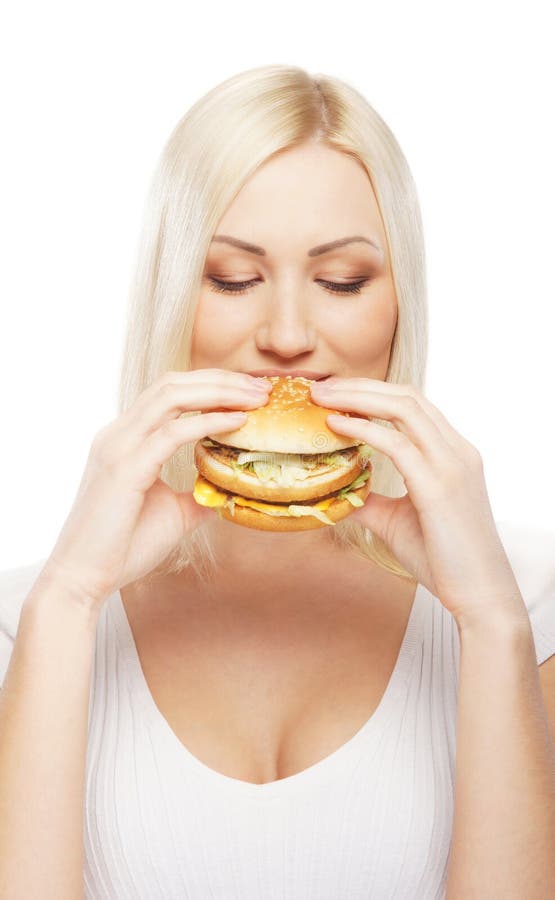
{"points": [[283, 469]]}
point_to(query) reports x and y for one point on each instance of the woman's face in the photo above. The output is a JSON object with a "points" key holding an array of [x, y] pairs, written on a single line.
{"points": [[288, 320]]}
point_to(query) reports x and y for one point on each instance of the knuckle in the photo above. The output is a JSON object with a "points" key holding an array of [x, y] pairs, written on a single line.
{"points": [[173, 376], [399, 442], [411, 401], [168, 390], [473, 455], [102, 448], [410, 391], [99, 441], [105, 458], [170, 428], [167, 378]]}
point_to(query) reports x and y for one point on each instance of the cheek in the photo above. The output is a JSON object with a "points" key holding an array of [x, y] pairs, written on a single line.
{"points": [[367, 330], [220, 325]]}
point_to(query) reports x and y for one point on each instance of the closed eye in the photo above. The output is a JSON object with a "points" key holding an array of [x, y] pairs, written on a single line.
{"points": [[241, 287]]}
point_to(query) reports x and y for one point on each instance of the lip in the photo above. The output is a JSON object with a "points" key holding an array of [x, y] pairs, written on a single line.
{"points": [[303, 373]]}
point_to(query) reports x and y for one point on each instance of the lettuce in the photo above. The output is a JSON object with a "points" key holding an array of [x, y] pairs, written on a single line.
{"points": [[353, 499], [358, 482], [364, 454], [335, 459], [310, 511]]}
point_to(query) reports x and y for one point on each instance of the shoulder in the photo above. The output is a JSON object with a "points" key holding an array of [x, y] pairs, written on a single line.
{"points": [[531, 553], [15, 584]]}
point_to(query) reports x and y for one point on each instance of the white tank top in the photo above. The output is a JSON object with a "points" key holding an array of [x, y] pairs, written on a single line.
{"points": [[371, 820]]}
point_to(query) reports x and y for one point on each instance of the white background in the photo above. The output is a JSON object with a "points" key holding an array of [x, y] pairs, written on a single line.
{"points": [[90, 95]]}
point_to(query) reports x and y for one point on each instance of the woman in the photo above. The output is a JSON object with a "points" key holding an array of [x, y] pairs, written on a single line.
{"points": [[276, 713]]}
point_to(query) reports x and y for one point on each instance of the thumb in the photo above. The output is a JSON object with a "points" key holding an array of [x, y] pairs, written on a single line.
{"points": [[376, 514]]}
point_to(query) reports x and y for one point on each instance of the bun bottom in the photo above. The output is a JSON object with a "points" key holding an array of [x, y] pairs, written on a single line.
{"points": [[252, 518]]}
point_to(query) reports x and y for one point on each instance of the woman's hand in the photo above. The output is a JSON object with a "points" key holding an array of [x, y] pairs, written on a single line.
{"points": [[442, 531], [125, 520]]}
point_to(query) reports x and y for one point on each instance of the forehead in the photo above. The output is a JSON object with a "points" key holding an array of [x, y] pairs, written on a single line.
{"points": [[303, 197]]}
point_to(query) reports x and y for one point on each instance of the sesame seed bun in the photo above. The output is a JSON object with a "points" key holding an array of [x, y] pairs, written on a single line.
{"points": [[289, 422]]}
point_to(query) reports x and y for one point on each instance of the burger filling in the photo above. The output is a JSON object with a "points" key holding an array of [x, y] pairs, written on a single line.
{"points": [[284, 469]]}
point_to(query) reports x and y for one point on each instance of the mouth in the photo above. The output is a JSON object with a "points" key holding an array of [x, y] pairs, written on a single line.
{"points": [[294, 373]]}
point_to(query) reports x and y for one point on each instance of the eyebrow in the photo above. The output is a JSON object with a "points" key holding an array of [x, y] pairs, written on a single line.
{"points": [[316, 251]]}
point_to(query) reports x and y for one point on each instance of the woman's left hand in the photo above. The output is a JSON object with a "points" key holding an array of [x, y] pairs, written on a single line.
{"points": [[442, 531]]}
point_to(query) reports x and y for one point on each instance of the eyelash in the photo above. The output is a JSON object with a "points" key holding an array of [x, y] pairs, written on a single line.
{"points": [[241, 287]]}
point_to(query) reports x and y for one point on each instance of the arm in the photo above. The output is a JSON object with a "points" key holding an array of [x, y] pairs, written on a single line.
{"points": [[43, 736], [444, 533], [124, 521], [503, 842]]}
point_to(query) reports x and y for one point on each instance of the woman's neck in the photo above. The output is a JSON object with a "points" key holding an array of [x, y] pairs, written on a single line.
{"points": [[247, 552]]}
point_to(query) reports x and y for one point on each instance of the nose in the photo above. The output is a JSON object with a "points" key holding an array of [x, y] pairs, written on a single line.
{"points": [[286, 329]]}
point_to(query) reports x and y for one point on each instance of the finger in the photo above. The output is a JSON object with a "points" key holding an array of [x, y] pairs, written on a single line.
{"points": [[450, 434], [376, 513], [142, 465], [404, 412], [419, 476], [173, 400], [221, 378]]}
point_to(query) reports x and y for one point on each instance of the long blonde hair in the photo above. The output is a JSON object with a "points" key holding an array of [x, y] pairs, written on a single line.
{"points": [[212, 151]]}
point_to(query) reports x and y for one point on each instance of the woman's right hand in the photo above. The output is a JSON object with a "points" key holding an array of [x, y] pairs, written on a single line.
{"points": [[125, 520]]}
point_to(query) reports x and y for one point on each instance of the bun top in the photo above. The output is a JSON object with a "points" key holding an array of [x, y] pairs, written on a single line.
{"points": [[289, 422]]}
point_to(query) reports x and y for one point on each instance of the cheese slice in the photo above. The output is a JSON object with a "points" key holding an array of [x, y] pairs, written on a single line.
{"points": [[207, 494]]}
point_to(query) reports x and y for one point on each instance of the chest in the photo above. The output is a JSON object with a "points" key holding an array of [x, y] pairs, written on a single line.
{"points": [[259, 696]]}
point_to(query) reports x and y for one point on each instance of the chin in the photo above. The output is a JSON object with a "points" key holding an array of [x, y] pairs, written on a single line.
{"points": [[283, 469]]}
